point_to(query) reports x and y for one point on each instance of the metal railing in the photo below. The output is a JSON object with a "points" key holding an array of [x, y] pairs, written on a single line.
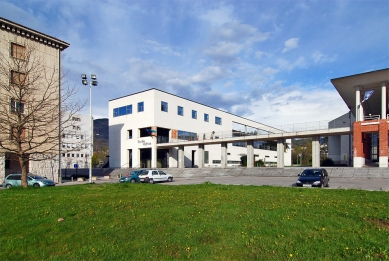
{"points": [[287, 128]]}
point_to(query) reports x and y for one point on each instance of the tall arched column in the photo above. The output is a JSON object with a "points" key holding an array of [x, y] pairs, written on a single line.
{"points": [[383, 100], [200, 156], [223, 162], [359, 157], [383, 144], [154, 152], [280, 153], [250, 154], [181, 158], [357, 103], [316, 151]]}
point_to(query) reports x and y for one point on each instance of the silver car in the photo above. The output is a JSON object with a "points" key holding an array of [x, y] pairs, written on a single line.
{"points": [[15, 180], [154, 175]]}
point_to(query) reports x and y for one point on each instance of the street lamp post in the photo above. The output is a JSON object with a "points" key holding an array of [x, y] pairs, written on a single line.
{"points": [[91, 83]]}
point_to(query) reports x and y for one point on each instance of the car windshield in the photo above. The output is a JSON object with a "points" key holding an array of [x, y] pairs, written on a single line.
{"points": [[311, 173]]}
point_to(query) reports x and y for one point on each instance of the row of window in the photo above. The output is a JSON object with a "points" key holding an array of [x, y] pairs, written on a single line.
{"points": [[74, 155], [72, 136], [125, 110], [72, 145], [180, 111]]}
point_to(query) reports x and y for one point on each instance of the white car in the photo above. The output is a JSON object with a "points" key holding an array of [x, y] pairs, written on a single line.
{"points": [[153, 175]]}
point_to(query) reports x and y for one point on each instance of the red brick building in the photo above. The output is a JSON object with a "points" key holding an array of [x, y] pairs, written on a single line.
{"points": [[366, 95]]}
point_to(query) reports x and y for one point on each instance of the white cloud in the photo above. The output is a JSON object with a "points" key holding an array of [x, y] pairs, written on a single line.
{"points": [[158, 48], [298, 105], [320, 58], [217, 17], [288, 65], [290, 44], [209, 75]]}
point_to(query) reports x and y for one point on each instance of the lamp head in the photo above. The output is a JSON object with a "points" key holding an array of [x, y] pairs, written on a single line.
{"points": [[94, 83], [85, 82], [83, 76], [93, 76]]}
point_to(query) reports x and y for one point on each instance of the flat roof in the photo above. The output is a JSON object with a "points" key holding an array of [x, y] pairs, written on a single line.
{"points": [[193, 102], [366, 81]]}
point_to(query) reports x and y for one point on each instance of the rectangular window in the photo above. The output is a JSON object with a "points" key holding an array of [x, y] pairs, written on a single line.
{"points": [[16, 107], [194, 114], [130, 134], [122, 111], [206, 117], [180, 110], [18, 51], [129, 109], [18, 77], [164, 106], [206, 157], [218, 120], [15, 133], [141, 106]]}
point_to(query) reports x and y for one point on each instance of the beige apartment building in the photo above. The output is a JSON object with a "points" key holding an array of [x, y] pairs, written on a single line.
{"points": [[21, 50]]}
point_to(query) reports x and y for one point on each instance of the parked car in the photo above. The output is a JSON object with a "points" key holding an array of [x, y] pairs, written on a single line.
{"points": [[132, 177], [32, 180], [313, 177], [154, 175]]}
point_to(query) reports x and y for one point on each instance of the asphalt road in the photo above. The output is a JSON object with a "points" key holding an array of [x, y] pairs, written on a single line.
{"points": [[374, 184]]}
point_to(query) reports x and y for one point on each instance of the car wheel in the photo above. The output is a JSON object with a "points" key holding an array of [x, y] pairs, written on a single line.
{"points": [[170, 179], [8, 186], [151, 181], [132, 181], [36, 185]]}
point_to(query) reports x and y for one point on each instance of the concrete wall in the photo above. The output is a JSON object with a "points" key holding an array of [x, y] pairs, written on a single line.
{"points": [[341, 172]]}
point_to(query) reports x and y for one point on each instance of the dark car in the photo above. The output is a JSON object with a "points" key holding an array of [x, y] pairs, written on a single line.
{"points": [[132, 177], [313, 177]]}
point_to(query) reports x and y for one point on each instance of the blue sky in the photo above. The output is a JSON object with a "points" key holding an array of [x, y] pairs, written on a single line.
{"points": [[270, 61]]}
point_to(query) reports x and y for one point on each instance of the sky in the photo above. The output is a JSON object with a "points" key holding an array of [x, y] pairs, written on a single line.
{"points": [[270, 61]]}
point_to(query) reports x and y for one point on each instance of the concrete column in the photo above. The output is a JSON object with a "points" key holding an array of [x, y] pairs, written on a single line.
{"points": [[316, 151], [181, 158], [359, 157], [200, 156], [280, 153], [383, 143], [223, 155], [154, 152], [383, 100], [2, 167], [357, 103], [250, 154]]}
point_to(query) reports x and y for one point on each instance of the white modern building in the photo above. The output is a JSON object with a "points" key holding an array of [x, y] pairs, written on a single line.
{"points": [[75, 149], [141, 123]]}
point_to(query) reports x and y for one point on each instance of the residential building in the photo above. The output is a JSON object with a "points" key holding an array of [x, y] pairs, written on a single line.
{"points": [[16, 42], [141, 123]]}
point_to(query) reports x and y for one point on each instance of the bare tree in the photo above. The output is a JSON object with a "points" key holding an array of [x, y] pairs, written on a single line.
{"points": [[36, 105]]}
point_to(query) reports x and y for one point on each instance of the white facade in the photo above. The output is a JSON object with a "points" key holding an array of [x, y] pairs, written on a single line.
{"points": [[131, 146], [75, 149], [76, 143], [340, 146]]}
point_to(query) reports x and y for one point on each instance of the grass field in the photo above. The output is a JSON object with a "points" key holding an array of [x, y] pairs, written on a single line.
{"points": [[196, 222]]}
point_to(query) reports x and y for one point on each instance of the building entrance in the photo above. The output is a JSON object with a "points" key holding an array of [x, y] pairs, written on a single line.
{"points": [[145, 158], [163, 158]]}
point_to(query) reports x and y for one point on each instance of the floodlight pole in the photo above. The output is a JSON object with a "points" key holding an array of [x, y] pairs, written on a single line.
{"points": [[94, 83]]}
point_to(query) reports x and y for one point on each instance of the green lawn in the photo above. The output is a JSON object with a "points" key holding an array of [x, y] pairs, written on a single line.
{"points": [[197, 222]]}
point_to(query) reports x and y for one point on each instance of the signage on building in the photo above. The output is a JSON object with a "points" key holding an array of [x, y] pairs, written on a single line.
{"points": [[144, 143]]}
